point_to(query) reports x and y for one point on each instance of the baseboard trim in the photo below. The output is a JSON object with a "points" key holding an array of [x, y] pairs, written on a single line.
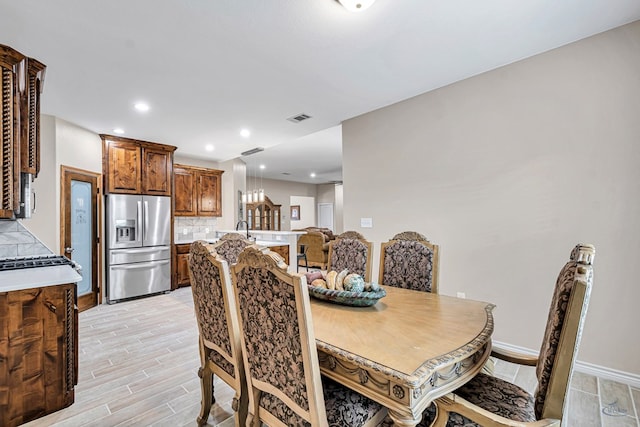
{"points": [[628, 378]]}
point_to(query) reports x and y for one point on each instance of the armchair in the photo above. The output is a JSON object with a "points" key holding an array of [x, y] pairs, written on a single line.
{"points": [[219, 341], [351, 251], [280, 354], [476, 401], [316, 247], [409, 261], [230, 245]]}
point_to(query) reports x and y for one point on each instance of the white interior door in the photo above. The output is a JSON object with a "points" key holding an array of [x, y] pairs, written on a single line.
{"points": [[325, 215]]}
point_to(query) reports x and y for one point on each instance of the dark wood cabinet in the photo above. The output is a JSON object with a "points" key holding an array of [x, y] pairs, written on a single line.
{"points": [[198, 191], [182, 265], [156, 171], [185, 191], [21, 84], [131, 166], [124, 167], [39, 349]]}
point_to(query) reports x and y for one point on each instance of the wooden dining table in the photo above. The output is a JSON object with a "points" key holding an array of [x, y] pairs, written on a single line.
{"points": [[408, 349]]}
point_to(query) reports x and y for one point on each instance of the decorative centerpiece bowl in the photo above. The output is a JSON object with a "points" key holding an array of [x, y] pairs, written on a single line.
{"points": [[357, 299]]}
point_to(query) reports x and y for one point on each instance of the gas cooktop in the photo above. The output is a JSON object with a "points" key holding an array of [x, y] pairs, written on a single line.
{"points": [[33, 262]]}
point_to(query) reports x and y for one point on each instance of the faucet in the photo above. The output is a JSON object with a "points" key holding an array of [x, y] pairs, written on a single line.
{"points": [[242, 221]]}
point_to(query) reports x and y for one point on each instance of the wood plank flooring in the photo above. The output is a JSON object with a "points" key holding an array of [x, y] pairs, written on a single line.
{"points": [[139, 361]]}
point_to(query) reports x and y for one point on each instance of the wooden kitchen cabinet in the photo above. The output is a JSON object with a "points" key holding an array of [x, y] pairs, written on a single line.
{"points": [[21, 79], [182, 265], [156, 171], [131, 166], [39, 349], [198, 191]]}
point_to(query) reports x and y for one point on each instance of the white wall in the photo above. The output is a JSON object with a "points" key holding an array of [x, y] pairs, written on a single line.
{"points": [[507, 171], [62, 143], [307, 212], [280, 193], [47, 213]]}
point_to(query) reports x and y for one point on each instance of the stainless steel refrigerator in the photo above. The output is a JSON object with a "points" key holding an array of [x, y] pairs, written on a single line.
{"points": [[138, 245]]}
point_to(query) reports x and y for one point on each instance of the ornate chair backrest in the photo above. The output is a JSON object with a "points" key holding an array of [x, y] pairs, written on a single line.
{"points": [[281, 360], [351, 251], [562, 335], [215, 308], [409, 261], [230, 245]]}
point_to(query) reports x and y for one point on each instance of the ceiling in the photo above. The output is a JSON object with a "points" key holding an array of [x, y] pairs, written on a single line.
{"points": [[209, 68]]}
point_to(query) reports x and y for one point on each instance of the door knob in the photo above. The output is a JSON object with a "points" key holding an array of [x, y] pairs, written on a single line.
{"points": [[68, 250]]}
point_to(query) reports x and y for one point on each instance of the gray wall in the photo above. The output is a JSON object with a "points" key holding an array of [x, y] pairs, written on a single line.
{"points": [[507, 171]]}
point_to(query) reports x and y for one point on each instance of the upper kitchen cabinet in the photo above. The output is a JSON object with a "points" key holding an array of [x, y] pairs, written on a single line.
{"points": [[131, 166], [22, 81], [198, 191]]}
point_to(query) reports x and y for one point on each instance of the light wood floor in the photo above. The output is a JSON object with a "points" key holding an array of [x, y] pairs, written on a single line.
{"points": [[139, 362]]}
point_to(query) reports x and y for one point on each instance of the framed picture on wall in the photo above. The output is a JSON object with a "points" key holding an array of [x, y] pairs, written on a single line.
{"points": [[295, 213]]}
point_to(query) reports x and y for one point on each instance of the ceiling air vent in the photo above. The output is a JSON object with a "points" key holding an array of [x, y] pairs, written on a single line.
{"points": [[299, 118], [286, 173], [252, 151]]}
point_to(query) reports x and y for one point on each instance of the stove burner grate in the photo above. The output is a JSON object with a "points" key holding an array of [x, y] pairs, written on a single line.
{"points": [[33, 262]]}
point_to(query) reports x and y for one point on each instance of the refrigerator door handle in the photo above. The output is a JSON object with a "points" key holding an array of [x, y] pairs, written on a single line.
{"points": [[146, 220], [140, 265], [139, 215], [144, 250]]}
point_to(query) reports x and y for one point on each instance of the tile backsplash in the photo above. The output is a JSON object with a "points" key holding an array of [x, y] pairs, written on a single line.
{"points": [[185, 227], [16, 240]]}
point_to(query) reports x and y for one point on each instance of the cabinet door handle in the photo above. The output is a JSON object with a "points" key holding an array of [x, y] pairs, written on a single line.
{"points": [[68, 249], [50, 306]]}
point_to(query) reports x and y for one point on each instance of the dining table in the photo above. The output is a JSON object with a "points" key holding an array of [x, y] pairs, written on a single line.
{"points": [[405, 351]]}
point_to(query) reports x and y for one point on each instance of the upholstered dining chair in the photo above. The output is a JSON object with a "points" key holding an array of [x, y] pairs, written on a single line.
{"points": [[230, 245], [219, 341], [280, 355], [352, 251], [409, 261], [490, 401]]}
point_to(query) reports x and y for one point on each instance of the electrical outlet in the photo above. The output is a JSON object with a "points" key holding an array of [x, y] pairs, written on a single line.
{"points": [[185, 231], [461, 295], [206, 230]]}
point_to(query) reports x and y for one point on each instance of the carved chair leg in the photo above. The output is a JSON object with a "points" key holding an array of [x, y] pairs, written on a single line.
{"points": [[206, 386]]}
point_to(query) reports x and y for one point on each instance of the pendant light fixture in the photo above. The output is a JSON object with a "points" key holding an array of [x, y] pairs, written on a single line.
{"points": [[356, 5], [257, 194]]}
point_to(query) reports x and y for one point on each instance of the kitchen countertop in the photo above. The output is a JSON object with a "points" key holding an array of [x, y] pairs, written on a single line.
{"points": [[26, 278], [267, 243], [266, 232]]}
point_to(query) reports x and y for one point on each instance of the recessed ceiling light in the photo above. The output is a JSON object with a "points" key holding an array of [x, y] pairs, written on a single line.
{"points": [[143, 107], [118, 131], [312, 175], [262, 166], [245, 133], [209, 147]]}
